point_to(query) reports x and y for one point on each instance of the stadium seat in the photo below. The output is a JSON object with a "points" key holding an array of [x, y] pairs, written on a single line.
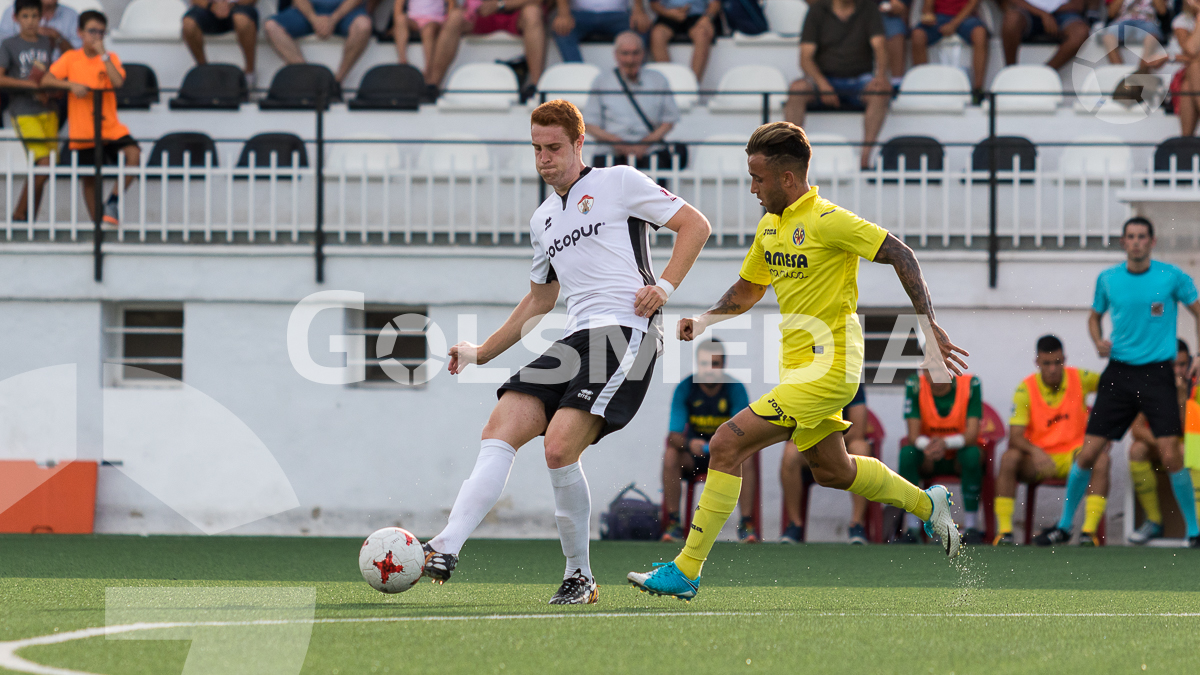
{"points": [[912, 148], [140, 89], [569, 81], [682, 81], [1185, 150], [991, 432], [933, 78], [396, 86], [169, 151], [1027, 89], [1094, 162], [212, 86], [281, 144], [1007, 148], [749, 79], [482, 87], [299, 86], [838, 156], [785, 17], [459, 158], [151, 20], [721, 160], [354, 158], [81, 6], [1094, 93], [874, 524]]}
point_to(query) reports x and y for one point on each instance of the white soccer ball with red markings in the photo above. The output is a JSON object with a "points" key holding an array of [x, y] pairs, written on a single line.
{"points": [[391, 560]]}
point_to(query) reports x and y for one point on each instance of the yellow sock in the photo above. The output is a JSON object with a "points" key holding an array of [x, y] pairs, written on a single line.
{"points": [[1093, 511], [1004, 512], [875, 481], [1196, 487], [1146, 489], [717, 502]]}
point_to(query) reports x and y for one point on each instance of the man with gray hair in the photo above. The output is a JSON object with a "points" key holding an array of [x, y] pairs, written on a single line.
{"points": [[631, 109]]}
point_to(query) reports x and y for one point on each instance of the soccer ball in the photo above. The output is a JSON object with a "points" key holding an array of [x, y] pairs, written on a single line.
{"points": [[391, 560]]}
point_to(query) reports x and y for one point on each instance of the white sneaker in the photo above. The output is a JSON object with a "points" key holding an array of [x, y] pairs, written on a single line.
{"points": [[940, 524]]}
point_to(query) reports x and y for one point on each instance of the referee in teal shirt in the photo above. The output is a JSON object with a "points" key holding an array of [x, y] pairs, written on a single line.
{"points": [[1143, 297]]}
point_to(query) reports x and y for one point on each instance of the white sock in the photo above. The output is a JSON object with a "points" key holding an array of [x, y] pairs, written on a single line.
{"points": [[969, 520], [573, 513], [912, 522], [477, 496]]}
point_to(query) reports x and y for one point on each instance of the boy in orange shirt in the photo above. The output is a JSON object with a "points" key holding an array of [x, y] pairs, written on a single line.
{"points": [[81, 71]]}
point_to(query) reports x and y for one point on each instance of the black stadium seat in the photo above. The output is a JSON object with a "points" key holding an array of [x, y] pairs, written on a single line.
{"points": [[299, 86], [169, 151], [140, 89], [390, 87], [283, 144], [1007, 147], [912, 147], [212, 86], [1184, 148]]}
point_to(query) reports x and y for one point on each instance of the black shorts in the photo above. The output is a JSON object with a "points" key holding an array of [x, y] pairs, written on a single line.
{"points": [[680, 29], [87, 156], [699, 466], [623, 359], [1127, 390], [209, 23]]}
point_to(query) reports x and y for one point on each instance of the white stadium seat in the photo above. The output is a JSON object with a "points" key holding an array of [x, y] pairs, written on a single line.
{"points": [[1094, 162], [81, 6], [721, 160], [151, 20], [839, 157], [569, 81], [482, 78], [376, 158], [785, 17], [749, 79], [682, 81], [1027, 89], [1093, 92], [933, 78], [459, 158]]}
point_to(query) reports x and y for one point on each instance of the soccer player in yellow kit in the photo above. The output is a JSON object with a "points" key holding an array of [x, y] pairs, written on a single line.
{"points": [[807, 248]]}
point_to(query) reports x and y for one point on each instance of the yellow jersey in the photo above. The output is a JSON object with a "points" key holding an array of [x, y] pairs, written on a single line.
{"points": [[810, 256], [1088, 379]]}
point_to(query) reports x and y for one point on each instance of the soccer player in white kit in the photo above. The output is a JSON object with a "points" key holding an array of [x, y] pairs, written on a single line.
{"points": [[591, 241]]}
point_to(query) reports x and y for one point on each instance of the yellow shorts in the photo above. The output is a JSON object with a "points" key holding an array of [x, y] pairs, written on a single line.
{"points": [[813, 409], [1062, 464], [37, 127]]}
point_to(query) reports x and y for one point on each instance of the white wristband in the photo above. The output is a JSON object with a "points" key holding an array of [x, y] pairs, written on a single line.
{"points": [[922, 442], [955, 442], [666, 286]]}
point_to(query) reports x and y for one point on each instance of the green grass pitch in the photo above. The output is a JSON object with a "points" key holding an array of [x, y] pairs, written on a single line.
{"points": [[820, 608]]}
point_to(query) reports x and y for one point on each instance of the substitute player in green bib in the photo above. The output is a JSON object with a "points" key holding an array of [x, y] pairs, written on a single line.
{"points": [[807, 248]]}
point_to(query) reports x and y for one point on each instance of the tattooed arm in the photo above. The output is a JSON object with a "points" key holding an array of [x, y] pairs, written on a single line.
{"points": [[897, 254], [741, 296]]}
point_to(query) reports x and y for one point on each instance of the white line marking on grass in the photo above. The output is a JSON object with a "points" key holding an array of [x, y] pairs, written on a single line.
{"points": [[10, 660]]}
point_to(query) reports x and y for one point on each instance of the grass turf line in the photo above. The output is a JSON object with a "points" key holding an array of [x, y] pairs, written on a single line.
{"points": [[49, 583]]}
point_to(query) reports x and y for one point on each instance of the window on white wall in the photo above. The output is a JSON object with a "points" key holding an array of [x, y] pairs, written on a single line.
{"points": [[145, 343], [397, 345], [884, 328]]}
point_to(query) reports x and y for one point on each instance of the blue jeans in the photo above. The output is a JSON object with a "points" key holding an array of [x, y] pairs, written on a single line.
{"points": [[590, 23], [964, 29], [1119, 29], [298, 26]]}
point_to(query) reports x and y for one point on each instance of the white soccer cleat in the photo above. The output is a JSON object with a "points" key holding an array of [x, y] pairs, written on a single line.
{"points": [[940, 524]]}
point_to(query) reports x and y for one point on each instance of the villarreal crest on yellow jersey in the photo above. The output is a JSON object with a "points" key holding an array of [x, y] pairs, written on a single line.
{"points": [[810, 256]]}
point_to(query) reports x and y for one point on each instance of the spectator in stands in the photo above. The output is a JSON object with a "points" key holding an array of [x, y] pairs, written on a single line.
{"points": [[80, 71], [630, 108], [694, 19], [845, 62], [577, 20], [895, 32], [791, 476], [702, 403], [24, 59], [347, 18], [59, 23], [480, 17], [1187, 79], [947, 18], [1061, 20], [1144, 457], [1141, 15], [426, 17], [943, 432], [217, 17], [1046, 430]]}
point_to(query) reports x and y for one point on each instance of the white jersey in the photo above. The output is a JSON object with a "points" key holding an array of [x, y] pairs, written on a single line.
{"points": [[595, 241]]}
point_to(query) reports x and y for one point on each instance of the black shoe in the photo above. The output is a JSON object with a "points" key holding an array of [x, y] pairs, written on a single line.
{"points": [[576, 590], [528, 91], [908, 537], [794, 534], [1004, 539], [858, 535], [438, 566], [973, 536], [1052, 536], [1192, 542], [430, 94]]}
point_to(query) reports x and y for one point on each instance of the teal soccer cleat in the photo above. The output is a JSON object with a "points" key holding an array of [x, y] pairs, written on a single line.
{"points": [[940, 525], [666, 579]]}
